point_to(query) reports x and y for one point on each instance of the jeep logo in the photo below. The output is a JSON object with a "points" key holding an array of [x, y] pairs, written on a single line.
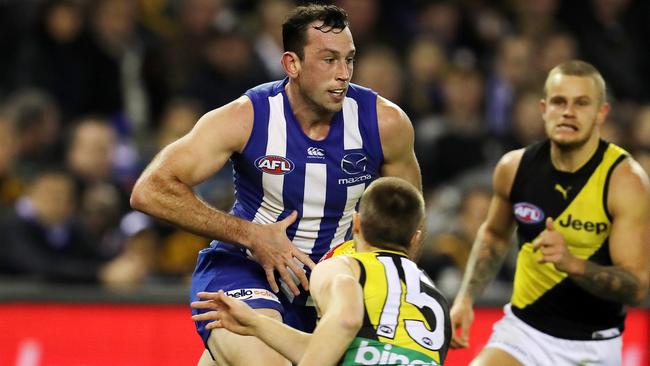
{"points": [[588, 226]]}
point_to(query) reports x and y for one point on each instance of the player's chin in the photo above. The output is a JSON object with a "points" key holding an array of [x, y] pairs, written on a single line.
{"points": [[568, 142], [333, 106]]}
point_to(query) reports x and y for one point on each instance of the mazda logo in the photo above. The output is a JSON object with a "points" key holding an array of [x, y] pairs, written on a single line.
{"points": [[354, 163]]}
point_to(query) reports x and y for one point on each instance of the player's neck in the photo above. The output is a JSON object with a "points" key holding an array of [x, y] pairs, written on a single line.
{"points": [[312, 119], [363, 246], [571, 159]]}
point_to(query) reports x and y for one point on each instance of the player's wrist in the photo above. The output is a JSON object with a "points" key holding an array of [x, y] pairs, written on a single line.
{"points": [[464, 299], [251, 235], [575, 267]]}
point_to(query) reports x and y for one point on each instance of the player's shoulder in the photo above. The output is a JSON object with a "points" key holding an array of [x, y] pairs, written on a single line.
{"points": [[340, 255], [342, 264], [234, 121], [505, 172], [395, 128], [629, 180], [510, 161], [239, 108], [265, 90], [390, 115]]}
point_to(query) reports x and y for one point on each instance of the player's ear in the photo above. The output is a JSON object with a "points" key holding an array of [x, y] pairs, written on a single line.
{"points": [[356, 223], [291, 64], [415, 245], [603, 111]]}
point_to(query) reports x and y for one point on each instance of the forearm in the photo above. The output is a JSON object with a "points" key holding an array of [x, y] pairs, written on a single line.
{"points": [[171, 200], [485, 260], [329, 342], [289, 342], [609, 282]]}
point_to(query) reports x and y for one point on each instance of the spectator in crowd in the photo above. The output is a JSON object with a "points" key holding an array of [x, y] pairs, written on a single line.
{"points": [[459, 142], [43, 239], [379, 69], [55, 57], [527, 127], [36, 118], [536, 19], [553, 50], [224, 76], [509, 74], [605, 28], [268, 41], [425, 67], [446, 252], [11, 185]]}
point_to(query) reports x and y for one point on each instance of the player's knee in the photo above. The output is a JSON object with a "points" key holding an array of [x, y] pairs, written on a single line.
{"points": [[228, 347], [206, 359]]}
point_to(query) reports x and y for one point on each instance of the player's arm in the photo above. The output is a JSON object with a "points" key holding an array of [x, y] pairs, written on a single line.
{"points": [[397, 142], [489, 249], [164, 190], [339, 298], [626, 281]]}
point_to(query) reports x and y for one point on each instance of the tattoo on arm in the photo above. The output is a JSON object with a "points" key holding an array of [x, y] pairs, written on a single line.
{"points": [[483, 265], [610, 283]]}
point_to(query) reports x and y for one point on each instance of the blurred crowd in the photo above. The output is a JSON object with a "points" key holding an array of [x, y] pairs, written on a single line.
{"points": [[90, 90]]}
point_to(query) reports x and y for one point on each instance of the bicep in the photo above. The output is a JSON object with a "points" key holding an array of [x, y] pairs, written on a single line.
{"points": [[397, 141], [499, 222], [204, 150], [629, 202], [406, 167]]}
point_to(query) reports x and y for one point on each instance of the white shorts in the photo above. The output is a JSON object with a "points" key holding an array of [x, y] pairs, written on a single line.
{"points": [[534, 348]]}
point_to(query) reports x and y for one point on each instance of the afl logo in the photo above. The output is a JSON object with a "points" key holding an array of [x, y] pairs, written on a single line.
{"points": [[354, 163], [273, 164], [528, 213]]}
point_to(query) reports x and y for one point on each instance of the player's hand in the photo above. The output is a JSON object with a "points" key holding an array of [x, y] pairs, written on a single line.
{"points": [[462, 316], [231, 314], [275, 252], [554, 250]]}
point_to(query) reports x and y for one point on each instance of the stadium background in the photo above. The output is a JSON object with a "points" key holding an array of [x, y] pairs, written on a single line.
{"points": [[90, 90]]}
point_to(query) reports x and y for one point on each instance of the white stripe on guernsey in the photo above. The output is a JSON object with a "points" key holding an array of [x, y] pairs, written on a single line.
{"points": [[313, 206], [352, 136], [353, 194], [272, 203]]}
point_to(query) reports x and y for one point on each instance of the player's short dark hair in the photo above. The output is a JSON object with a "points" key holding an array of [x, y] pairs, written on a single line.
{"points": [[294, 28], [391, 210]]}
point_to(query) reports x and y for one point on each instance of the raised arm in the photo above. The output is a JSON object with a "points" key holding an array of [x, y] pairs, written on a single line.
{"points": [[626, 281], [397, 142], [164, 190], [489, 250]]}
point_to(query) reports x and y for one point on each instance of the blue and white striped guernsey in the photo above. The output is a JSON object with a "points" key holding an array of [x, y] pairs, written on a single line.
{"points": [[281, 169]]}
